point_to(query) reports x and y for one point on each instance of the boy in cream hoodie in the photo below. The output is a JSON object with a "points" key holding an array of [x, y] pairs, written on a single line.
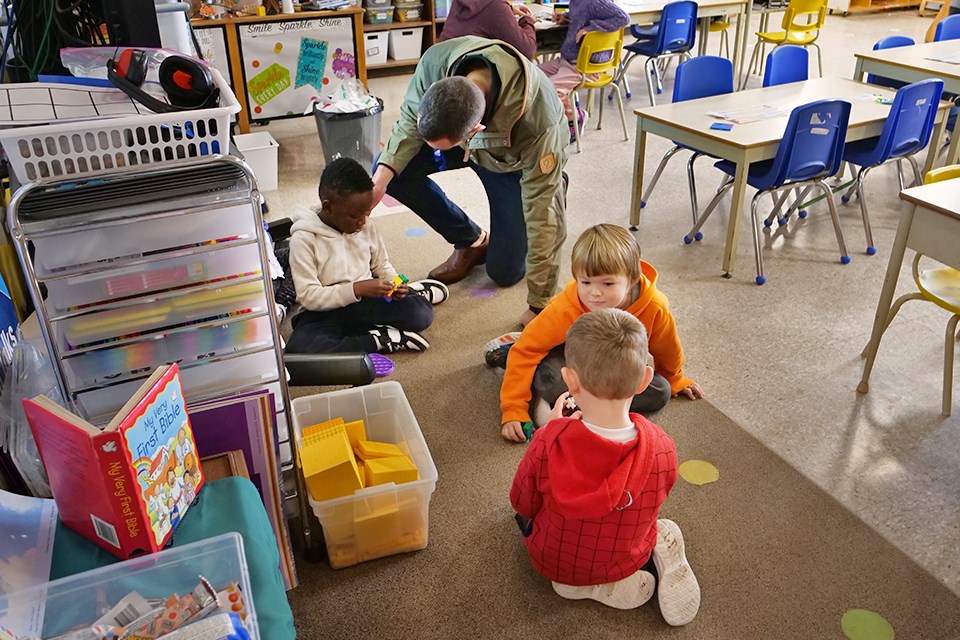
{"points": [[342, 273]]}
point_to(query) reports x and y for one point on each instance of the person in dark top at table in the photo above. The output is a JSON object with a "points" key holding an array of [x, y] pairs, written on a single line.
{"points": [[494, 19]]}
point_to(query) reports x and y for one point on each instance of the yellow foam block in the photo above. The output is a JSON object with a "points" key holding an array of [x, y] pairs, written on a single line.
{"points": [[321, 426], [367, 449], [398, 469], [329, 466], [362, 471]]}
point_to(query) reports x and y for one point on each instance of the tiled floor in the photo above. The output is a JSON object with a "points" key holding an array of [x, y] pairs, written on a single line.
{"points": [[783, 359]]}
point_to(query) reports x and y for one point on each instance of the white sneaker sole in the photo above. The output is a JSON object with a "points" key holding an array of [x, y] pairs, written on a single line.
{"points": [[499, 341], [678, 590], [434, 291], [629, 593]]}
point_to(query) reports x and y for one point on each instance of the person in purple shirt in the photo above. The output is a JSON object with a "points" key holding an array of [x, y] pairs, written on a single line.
{"points": [[494, 19], [583, 16]]}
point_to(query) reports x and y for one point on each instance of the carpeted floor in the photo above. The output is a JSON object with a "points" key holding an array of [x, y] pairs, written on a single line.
{"points": [[776, 556]]}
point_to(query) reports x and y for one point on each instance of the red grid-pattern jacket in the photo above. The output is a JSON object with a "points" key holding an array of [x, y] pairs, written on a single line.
{"points": [[594, 502]]}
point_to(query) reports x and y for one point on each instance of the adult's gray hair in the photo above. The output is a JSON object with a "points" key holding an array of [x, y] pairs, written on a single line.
{"points": [[449, 109]]}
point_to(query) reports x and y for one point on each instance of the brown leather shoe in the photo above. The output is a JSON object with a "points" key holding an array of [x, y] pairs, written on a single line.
{"points": [[460, 262]]}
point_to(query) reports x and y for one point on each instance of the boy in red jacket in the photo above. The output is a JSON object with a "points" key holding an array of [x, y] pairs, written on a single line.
{"points": [[589, 488]]}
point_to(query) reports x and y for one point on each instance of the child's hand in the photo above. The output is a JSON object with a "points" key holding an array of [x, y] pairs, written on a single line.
{"points": [[513, 431], [401, 292], [373, 288], [558, 406], [693, 392]]}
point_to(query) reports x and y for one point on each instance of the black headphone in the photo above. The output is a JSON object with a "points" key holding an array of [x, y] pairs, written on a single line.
{"points": [[188, 83]]}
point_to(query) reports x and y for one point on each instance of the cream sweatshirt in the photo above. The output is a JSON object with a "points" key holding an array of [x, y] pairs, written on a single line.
{"points": [[325, 262]]}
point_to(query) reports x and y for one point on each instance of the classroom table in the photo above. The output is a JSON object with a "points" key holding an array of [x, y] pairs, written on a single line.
{"points": [[911, 64], [689, 124], [932, 227]]}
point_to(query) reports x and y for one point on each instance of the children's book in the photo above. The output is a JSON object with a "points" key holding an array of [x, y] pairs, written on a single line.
{"points": [[128, 486]]}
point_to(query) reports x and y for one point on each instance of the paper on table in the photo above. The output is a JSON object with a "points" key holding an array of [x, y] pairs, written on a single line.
{"points": [[28, 526], [769, 112], [949, 58]]}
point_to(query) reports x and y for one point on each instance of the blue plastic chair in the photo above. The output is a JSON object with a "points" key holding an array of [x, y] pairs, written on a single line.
{"points": [[786, 63], [948, 29], [672, 37], [906, 132], [890, 42], [696, 78], [810, 152]]}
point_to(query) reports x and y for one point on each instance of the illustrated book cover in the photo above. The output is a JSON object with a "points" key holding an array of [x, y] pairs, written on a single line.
{"points": [[125, 487]]}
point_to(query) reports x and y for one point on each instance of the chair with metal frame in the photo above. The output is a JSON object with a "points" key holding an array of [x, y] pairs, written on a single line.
{"points": [[801, 26], [597, 45], [810, 152]]}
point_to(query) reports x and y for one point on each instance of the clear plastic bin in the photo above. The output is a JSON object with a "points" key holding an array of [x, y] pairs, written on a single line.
{"points": [[407, 11], [385, 519], [79, 599], [379, 15]]}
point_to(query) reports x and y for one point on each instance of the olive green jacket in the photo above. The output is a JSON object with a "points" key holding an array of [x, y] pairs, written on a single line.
{"points": [[527, 132]]}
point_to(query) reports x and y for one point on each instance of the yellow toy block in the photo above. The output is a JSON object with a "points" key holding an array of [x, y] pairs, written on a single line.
{"points": [[398, 469], [362, 471], [329, 467], [368, 449], [320, 427]]}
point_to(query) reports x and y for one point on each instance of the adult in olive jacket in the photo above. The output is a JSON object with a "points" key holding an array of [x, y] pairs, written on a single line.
{"points": [[481, 104]]}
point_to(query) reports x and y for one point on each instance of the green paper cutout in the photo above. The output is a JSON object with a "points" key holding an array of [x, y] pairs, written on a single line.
{"points": [[268, 84], [861, 624]]}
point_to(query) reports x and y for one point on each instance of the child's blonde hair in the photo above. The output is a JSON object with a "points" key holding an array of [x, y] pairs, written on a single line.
{"points": [[608, 350], [606, 249]]}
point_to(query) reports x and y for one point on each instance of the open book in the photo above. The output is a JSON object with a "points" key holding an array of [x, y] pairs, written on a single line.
{"points": [[125, 487]]}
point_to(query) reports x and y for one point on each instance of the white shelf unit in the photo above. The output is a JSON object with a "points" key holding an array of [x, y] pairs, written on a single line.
{"points": [[132, 269]]}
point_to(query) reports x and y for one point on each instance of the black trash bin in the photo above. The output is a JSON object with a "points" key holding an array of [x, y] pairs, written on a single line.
{"points": [[352, 135]]}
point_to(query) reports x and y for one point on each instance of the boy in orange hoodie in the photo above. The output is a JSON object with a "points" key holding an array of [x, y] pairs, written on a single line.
{"points": [[608, 273]]}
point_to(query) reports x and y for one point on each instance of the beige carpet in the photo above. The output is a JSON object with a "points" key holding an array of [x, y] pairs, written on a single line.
{"points": [[776, 556]]}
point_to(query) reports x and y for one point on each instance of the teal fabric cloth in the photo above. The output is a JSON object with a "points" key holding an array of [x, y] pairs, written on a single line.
{"points": [[229, 504]]}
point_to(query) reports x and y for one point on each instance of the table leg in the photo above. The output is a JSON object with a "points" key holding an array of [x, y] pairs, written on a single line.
{"points": [[886, 296], [736, 210], [704, 34], [858, 70], [954, 148], [939, 130], [742, 47], [739, 36], [639, 150]]}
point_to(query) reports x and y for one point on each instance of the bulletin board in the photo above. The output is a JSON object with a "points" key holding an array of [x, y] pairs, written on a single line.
{"points": [[288, 64], [213, 49]]}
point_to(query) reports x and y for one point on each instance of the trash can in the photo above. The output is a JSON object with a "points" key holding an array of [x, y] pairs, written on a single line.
{"points": [[353, 135]]}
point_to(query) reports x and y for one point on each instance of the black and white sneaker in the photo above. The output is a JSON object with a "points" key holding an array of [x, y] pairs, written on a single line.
{"points": [[390, 339], [433, 290]]}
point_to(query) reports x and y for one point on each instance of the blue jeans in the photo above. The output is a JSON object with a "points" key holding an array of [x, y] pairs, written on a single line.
{"points": [[507, 253]]}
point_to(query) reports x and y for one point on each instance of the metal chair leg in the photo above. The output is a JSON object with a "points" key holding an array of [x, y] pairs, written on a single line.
{"points": [[894, 310], [648, 68], [852, 189], [948, 366], [778, 200], [863, 210], [844, 256], [757, 238], [819, 57], [656, 174], [695, 231], [576, 120], [917, 174], [623, 116], [692, 182], [753, 60], [622, 74], [600, 115]]}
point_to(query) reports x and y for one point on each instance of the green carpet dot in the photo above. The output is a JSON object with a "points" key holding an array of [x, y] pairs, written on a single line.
{"points": [[860, 624], [699, 472]]}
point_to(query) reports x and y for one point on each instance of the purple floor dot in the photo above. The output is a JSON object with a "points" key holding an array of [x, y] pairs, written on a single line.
{"points": [[382, 365], [416, 232], [483, 292]]}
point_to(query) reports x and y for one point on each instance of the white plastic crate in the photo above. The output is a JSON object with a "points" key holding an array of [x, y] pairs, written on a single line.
{"points": [[79, 599], [375, 44], [93, 146], [260, 152], [385, 519], [406, 44]]}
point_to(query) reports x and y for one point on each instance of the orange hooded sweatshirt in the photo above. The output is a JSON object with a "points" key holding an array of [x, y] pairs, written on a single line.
{"points": [[549, 329]]}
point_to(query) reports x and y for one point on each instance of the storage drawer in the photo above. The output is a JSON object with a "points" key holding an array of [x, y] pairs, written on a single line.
{"points": [[200, 382], [110, 285], [153, 316], [138, 238], [187, 347]]}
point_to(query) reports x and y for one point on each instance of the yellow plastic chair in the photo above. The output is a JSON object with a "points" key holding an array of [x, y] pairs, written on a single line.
{"points": [[598, 42], [941, 286], [801, 26], [722, 26]]}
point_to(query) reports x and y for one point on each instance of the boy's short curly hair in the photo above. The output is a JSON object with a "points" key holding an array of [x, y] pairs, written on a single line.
{"points": [[343, 176], [450, 109], [608, 350], [606, 249]]}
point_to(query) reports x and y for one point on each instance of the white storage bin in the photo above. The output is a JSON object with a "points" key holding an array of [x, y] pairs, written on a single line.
{"points": [[406, 44], [385, 519], [137, 238], [80, 599], [375, 45], [260, 152]]}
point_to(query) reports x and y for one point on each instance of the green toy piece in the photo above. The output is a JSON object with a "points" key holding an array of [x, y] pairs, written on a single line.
{"points": [[528, 429]]}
